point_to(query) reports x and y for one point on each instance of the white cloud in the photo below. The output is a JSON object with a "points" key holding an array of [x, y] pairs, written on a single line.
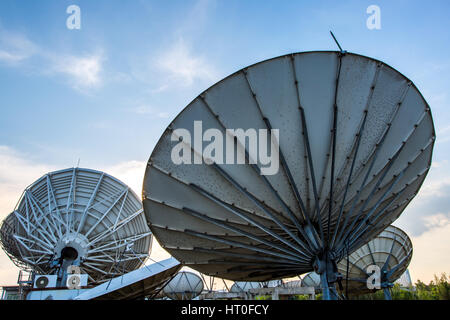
{"points": [[430, 255], [431, 207], [180, 67], [83, 71], [16, 173], [129, 172], [437, 221], [15, 47]]}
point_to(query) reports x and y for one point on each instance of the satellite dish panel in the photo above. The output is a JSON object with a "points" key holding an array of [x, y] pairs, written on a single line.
{"points": [[391, 251], [362, 143], [78, 214], [184, 286], [312, 279]]}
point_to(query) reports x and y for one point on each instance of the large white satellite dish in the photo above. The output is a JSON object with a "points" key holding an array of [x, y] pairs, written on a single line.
{"points": [[355, 139], [78, 216]]}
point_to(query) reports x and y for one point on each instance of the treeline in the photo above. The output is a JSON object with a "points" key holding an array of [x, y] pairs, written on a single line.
{"points": [[437, 289]]}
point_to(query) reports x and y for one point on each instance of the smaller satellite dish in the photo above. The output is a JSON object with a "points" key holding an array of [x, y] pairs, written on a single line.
{"points": [[405, 280], [184, 286], [312, 279], [244, 286], [385, 258], [292, 284]]}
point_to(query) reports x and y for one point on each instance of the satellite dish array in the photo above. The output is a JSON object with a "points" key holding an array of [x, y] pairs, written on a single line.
{"points": [[354, 140]]}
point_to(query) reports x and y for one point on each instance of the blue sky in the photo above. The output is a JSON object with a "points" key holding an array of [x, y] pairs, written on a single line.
{"points": [[105, 93]]}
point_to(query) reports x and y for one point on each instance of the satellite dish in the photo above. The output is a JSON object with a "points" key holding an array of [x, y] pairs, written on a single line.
{"points": [[184, 286], [244, 286], [391, 251], [312, 279], [405, 280], [77, 216], [354, 142], [292, 284]]}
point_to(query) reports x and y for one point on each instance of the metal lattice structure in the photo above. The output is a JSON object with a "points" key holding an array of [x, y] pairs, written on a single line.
{"points": [[88, 211], [355, 140], [391, 251]]}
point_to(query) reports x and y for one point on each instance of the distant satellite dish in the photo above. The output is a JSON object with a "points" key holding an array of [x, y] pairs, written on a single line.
{"points": [[354, 141], [184, 286], [244, 286], [292, 284], [391, 251], [405, 280], [77, 216]]}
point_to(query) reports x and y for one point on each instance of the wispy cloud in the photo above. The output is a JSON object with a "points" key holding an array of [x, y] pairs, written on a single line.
{"points": [[180, 66], [15, 47], [130, 172], [431, 253], [431, 207], [82, 71]]}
